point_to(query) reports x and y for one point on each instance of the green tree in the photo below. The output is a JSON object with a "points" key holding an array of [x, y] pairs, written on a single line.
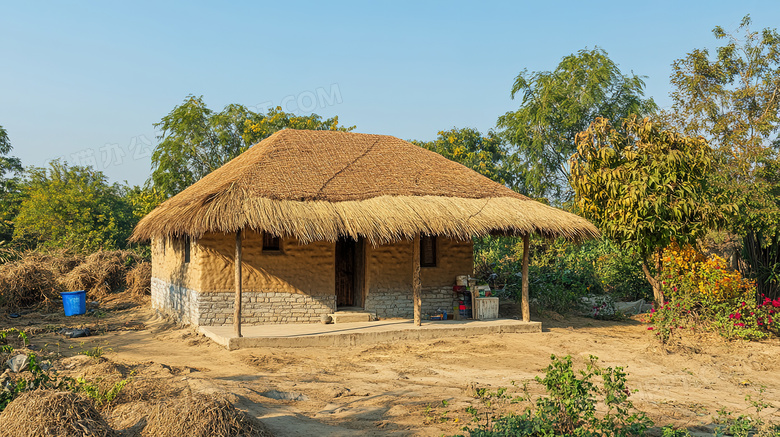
{"points": [[143, 200], [485, 154], [72, 207], [559, 104], [644, 187], [196, 140], [732, 98], [10, 169]]}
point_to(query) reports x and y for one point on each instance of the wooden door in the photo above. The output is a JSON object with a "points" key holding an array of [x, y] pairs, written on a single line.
{"points": [[345, 272]]}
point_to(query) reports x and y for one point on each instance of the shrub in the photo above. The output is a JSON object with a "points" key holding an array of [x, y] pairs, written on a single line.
{"points": [[569, 409], [705, 293], [561, 273]]}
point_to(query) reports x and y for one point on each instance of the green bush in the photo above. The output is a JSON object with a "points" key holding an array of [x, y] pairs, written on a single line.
{"points": [[560, 273], [704, 293], [569, 409]]}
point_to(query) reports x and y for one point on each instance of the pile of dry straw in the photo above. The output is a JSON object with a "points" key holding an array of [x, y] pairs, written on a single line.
{"points": [[37, 278], [53, 413]]}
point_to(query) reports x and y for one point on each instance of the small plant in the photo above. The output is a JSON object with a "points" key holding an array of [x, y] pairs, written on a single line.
{"points": [[670, 431], [750, 424], [43, 379], [20, 334], [93, 391], [569, 409], [95, 352]]}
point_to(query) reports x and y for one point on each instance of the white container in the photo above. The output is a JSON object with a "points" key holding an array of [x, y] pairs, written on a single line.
{"points": [[487, 308], [462, 280]]}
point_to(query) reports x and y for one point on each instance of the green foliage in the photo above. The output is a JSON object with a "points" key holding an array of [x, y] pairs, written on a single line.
{"points": [[730, 95], [705, 294], [762, 256], [40, 379], [143, 200], [670, 431], [750, 424], [196, 141], [96, 352], [485, 154], [92, 389], [569, 408], [732, 318], [545, 126], [72, 207], [561, 273], [45, 379], [9, 187], [644, 187]]}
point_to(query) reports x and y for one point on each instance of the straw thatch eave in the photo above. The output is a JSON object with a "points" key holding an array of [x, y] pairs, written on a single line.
{"points": [[381, 219], [321, 185]]}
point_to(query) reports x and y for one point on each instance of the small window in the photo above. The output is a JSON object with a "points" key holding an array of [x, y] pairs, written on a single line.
{"points": [[428, 251], [186, 249], [270, 242]]}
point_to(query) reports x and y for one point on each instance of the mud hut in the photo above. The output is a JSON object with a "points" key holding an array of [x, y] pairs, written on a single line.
{"points": [[308, 223]]}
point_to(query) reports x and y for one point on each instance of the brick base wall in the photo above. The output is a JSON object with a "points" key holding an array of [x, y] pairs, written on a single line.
{"points": [[257, 308], [398, 303]]}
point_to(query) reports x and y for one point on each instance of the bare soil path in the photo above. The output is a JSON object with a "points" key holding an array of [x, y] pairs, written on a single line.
{"points": [[424, 388]]}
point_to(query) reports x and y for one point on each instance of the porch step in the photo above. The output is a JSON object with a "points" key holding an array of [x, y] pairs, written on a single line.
{"points": [[352, 316]]}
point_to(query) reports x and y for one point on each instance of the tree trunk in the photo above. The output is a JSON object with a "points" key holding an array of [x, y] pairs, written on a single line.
{"points": [[658, 294]]}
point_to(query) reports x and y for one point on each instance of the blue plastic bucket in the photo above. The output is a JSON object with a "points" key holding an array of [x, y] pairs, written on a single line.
{"points": [[74, 302]]}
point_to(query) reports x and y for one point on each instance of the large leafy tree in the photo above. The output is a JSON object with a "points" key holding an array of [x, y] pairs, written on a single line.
{"points": [[485, 154], [10, 169], [557, 105], [196, 140], [731, 96], [644, 187], [72, 207]]}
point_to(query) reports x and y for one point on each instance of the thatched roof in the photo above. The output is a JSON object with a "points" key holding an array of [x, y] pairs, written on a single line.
{"points": [[321, 185]]}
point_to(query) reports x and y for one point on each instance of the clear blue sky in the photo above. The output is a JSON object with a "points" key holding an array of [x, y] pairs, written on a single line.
{"points": [[86, 80]]}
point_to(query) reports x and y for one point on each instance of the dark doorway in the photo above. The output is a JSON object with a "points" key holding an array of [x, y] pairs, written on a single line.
{"points": [[349, 287]]}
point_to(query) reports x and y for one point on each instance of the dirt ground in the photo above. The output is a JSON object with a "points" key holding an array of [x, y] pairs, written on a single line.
{"points": [[413, 388]]}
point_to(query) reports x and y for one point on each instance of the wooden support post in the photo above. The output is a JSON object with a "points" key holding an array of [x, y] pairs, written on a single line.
{"points": [[237, 259], [525, 308], [416, 286]]}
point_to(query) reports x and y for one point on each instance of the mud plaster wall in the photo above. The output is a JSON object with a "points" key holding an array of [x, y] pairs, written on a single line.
{"points": [[169, 266], [304, 269], [389, 277]]}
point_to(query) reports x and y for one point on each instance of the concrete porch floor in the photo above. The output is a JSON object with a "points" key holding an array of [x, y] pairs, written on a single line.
{"points": [[358, 333]]}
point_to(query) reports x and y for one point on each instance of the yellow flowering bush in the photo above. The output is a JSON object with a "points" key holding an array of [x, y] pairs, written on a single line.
{"points": [[704, 292], [710, 280]]}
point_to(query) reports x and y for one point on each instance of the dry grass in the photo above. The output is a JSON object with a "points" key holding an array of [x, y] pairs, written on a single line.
{"points": [[101, 272], [200, 416], [27, 282], [38, 277], [322, 185], [52, 413], [139, 279], [61, 262]]}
